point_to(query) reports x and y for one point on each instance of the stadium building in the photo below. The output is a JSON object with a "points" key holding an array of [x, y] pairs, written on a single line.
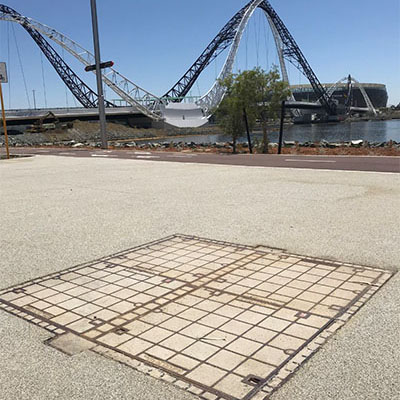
{"points": [[375, 91]]}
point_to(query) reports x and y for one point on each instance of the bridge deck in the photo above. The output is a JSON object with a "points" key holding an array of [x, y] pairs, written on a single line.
{"points": [[20, 117]]}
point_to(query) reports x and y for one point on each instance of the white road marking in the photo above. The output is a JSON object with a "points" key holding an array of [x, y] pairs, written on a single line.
{"points": [[142, 152], [147, 157], [99, 155], [66, 154], [182, 156], [312, 161]]}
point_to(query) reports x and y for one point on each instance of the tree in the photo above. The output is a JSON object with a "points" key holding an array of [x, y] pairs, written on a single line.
{"points": [[257, 92], [230, 112]]}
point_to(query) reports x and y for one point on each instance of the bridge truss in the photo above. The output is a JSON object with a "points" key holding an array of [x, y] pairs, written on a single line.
{"points": [[83, 93], [133, 94], [153, 106], [351, 83], [231, 35]]}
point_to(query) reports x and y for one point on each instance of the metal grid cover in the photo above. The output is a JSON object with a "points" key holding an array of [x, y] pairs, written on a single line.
{"points": [[218, 319]]}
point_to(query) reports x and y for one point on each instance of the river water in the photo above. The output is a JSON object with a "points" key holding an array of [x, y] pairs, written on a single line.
{"points": [[371, 131]]}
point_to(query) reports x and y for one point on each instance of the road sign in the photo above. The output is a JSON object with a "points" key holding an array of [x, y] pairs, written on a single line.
{"points": [[103, 65], [3, 73]]}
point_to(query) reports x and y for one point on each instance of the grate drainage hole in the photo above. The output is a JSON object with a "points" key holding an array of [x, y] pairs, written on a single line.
{"points": [[19, 290], [253, 380], [120, 331]]}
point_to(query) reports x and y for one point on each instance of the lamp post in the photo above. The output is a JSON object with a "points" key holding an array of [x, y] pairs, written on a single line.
{"points": [[96, 42]]}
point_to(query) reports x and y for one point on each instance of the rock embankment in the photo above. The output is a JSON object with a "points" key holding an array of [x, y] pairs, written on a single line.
{"points": [[354, 147], [86, 135], [88, 132]]}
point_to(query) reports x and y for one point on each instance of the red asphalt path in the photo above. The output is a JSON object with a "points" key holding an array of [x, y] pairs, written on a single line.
{"points": [[344, 163]]}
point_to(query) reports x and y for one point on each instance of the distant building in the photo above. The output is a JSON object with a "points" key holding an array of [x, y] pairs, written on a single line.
{"points": [[376, 92]]}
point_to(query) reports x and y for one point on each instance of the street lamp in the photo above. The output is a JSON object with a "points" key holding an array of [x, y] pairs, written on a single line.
{"points": [[102, 111]]}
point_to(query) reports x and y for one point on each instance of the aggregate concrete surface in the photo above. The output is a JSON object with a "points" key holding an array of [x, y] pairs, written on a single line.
{"points": [[57, 212]]}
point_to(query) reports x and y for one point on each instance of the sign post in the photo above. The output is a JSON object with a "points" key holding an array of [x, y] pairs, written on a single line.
{"points": [[281, 128], [4, 79], [247, 130]]}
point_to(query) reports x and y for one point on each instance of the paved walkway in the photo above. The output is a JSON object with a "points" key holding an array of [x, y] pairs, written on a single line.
{"points": [[61, 211], [344, 163]]}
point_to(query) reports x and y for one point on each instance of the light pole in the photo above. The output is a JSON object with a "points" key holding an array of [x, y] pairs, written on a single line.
{"points": [[102, 112]]}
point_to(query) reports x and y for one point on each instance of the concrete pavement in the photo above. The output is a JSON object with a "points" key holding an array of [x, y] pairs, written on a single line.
{"points": [[58, 212]]}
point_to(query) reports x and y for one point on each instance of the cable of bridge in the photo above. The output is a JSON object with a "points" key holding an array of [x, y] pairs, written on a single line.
{"points": [[21, 66]]}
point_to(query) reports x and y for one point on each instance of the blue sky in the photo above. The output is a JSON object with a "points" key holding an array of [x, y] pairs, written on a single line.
{"points": [[154, 42]]}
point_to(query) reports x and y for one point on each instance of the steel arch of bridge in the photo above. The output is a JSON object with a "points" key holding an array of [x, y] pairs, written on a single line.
{"points": [[351, 81], [231, 35], [83, 93], [133, 94], [153, 106]]}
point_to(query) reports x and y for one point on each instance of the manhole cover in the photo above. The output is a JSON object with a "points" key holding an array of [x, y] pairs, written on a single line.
{"points": [[218, 319]]}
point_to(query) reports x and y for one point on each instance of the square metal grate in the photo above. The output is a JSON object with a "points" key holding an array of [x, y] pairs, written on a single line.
{"points": [[220, 320]]}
